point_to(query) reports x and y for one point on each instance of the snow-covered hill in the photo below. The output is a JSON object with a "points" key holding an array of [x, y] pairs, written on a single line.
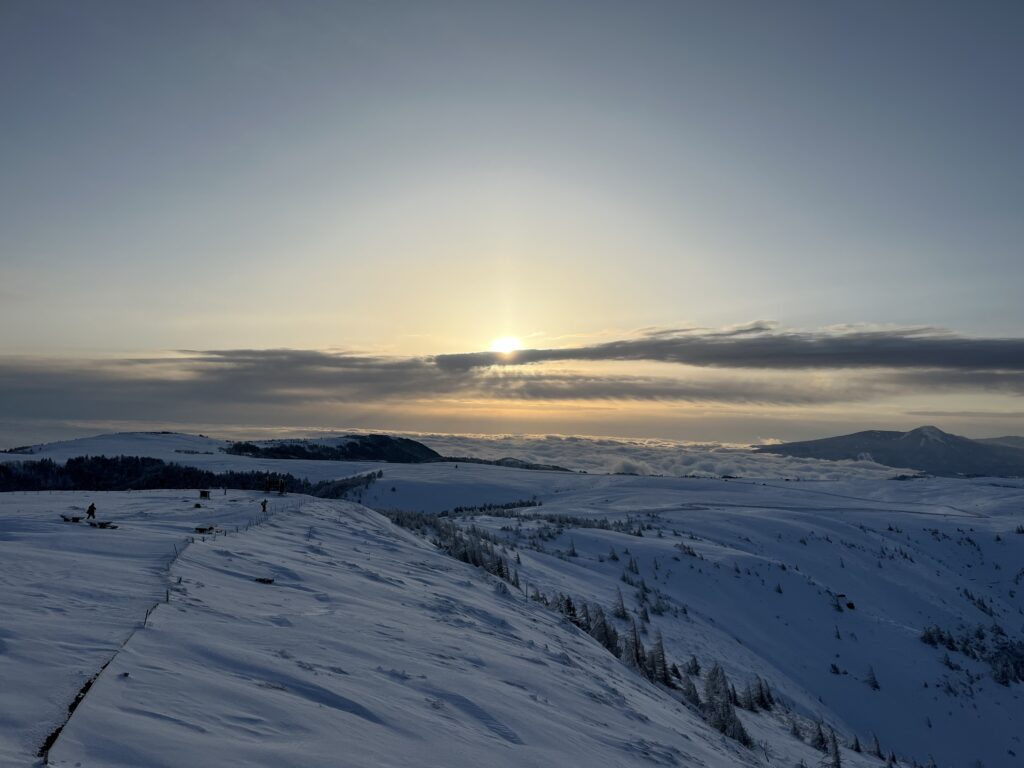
{"points": [[819, 587], [369, 647], [927, 449], [818, 590]]}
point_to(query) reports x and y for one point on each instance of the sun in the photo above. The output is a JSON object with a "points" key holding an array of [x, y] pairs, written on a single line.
{"points": [[505, 345]]}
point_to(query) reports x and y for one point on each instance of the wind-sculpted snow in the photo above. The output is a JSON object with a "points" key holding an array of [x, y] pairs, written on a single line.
{"points": [[820, 588], [370, 648], [70, 594]]}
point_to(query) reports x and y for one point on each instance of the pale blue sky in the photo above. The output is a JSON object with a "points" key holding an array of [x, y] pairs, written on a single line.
{"points": [[419, 178]]}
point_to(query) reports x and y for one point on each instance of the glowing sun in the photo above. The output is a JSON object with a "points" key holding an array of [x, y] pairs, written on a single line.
{"points": [[505, 344]]}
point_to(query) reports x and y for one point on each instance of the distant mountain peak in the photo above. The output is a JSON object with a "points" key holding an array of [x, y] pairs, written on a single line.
{"points": [[926, 449], [928, 433]]}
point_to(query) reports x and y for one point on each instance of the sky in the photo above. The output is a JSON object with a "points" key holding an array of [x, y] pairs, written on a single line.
{"points": [[316, 214]]}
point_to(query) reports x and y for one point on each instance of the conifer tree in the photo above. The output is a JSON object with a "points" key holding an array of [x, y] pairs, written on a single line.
{"points": [[718, 707], [763, 694], [876, 748], [818, 740], [834, 760], [633, 654], [619, 611], [689, 690], [659, 664], [746, 699]]}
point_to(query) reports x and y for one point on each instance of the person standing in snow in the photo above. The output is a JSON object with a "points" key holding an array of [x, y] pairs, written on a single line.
{"points": [[90, 513], [263, 505]]}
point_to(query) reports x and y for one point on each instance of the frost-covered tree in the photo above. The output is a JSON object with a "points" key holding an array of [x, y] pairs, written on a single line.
{"points": [[876, 747], [658, 662], [619, 609], [584, 617], [718, 707], [834, 760], [818, 740], [747, 699], [763, 694], [603, 632], [689, 690], [633, 654], [693, 667]]}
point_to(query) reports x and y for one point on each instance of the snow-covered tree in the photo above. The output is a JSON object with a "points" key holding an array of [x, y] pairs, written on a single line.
{"points": [[876, 748], [718, 707], [633, 654], [689, 690], [619, 609], [833, 759], [603, 632], [818, 740], [659, 664], [693, 667]]}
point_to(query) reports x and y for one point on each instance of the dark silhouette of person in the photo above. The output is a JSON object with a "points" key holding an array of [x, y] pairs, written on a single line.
{"points": [[263, 505], [90, 513]]}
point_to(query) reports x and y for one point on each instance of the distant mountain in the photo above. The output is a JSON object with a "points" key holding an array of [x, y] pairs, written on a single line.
{"points": [[1008, 440], [926, 449]]}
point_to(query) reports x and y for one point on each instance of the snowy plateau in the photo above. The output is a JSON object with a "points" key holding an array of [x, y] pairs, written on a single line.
{"points": [[461, 614]]}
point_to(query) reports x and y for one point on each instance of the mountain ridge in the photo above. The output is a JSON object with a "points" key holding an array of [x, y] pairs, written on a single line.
{"points": [[924, 449]]}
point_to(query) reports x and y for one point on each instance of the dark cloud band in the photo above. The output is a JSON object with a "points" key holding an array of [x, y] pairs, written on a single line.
{"points": [[767, 367], [758, 346]]}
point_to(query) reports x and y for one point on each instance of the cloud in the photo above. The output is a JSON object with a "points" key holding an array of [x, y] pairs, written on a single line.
{"points": [[650, 456], [760, 346], [754, 364], [228, 379]]}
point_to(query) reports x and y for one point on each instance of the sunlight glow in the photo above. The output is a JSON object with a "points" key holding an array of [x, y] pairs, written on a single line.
{"points": [[505, 344]]}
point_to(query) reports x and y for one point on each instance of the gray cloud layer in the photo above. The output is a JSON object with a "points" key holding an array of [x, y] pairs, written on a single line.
{"points": [[759, 346], [769, 367]]}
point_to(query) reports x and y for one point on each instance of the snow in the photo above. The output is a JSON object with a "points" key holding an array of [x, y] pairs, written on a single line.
{"points": [[371, 647], [587, 454], [70, 595]]}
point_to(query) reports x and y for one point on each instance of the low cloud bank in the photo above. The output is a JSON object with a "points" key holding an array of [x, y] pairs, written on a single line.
{"points": [[650, 457]]}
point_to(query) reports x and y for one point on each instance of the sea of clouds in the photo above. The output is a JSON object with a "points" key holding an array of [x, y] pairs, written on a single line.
{"points": [[649, 456]]}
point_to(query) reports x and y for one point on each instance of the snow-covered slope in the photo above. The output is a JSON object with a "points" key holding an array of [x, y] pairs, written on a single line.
{"points": [[756, 574], [927, 449], [785, 582], [1009, 440], [70, 595], [370, 648]]}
